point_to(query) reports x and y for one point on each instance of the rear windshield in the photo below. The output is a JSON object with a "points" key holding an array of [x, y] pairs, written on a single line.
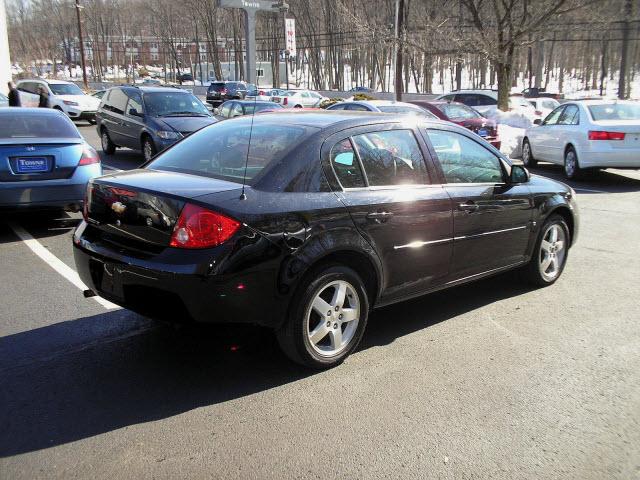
{"points": [[249, 108], [220, 150], [216, 86], [34, 125], [405, 109], [65, 89], [615, 111], [458, 111]]}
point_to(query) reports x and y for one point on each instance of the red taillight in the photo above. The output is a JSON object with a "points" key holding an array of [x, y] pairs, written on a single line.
{"points": [[89, 156], [85, 204], [224, 90], [538, 112], [261, 92], [198, 227], [285, 101], [600, 135]]}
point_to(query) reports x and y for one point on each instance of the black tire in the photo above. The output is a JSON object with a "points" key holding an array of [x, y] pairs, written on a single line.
{"points": [[532, 272], [148, 148], [293, 337], [298, 106], [572, 169], [527, 155], [108, 146]]}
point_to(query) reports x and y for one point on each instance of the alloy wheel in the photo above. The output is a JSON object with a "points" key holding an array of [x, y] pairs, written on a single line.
{"points": [[570, 163], [332, 318], [105, 141], [147, 150], [553, 251], [526, 153]]}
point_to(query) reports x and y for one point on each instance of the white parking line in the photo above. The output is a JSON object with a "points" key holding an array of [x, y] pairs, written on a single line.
{"points": [[55, 263]]}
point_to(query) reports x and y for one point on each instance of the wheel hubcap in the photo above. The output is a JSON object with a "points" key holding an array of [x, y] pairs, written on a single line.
{"points": [[570, 163], [552, 252], [332, 318], [147, 151], [525, 154], [105, 141]]}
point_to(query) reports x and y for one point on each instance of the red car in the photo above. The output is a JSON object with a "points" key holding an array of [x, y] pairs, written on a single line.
{"points": [[463, 115]]}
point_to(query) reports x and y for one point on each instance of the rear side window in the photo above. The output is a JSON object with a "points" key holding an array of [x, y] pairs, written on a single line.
{"points": [[391, 157], [346, 165], [220, 150], [463, 160], [34, 125], [570, 116], [117, 101]]}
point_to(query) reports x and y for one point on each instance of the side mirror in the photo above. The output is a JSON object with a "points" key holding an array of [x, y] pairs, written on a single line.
{"points": [[537, 121], [519, 174], [216, 111], [134, 112]]}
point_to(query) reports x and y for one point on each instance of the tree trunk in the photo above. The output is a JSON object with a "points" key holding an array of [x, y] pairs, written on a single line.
{"points": [[624, 54], [504, 70]]}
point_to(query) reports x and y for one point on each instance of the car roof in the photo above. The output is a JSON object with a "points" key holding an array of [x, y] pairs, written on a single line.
{"points": [[602, 102], [151, 89], [327, 118], [383, 103], [251, 102], [32, 111]]}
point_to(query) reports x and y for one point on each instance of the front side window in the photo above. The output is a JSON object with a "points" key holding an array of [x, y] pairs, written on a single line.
{"points": [[463, 160], [236, 110], [552, 118], [391, 157], [65, 89], [118, 101], [135, 103], [346, 165], [356, 107]]}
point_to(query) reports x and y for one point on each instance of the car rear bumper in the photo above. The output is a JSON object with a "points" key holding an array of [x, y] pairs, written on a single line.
{"points": [[48, 193], [176, 285], [610, 158]]}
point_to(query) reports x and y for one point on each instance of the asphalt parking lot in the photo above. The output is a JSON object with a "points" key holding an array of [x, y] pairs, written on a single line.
{"points": [[489, 380]]}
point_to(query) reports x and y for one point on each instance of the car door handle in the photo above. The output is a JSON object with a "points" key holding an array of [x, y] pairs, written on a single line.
{"points": [[469, 206], [379, 216]]}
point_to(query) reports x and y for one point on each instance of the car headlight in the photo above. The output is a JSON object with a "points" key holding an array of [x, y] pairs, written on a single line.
{"points": [[168, 135], [70, 103]]}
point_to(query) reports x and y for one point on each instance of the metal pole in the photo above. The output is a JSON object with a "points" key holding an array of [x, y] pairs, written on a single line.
{"points": [[398, 66], [84, 69], [250, 31]]}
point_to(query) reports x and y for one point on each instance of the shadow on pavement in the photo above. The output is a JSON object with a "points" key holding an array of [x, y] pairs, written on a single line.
{"points": [[40, 224], [595, 182], [81, 378]]}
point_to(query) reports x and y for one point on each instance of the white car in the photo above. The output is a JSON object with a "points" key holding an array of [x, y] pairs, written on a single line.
{"points": [[543, 106], [64, 96], [586, 134], [299, 99], [267, 94], [486, 102]]}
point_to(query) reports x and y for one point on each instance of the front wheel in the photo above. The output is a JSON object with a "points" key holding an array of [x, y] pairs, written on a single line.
{"points": [[527, 156], [572, 168], [327, 318], [550, 253]]}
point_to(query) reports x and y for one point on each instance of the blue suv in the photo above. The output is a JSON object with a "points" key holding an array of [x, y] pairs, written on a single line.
{"points": [[149, 119]]}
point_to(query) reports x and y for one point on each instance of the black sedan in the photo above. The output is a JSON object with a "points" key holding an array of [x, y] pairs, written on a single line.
{"points": [[305, 221]]}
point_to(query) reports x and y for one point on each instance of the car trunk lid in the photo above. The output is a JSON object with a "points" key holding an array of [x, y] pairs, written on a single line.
{"points": [[46, 159], [140, 208]]}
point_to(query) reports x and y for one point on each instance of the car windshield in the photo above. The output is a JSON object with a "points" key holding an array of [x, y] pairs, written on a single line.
{"points": [[36, 125], [220, 150], [174, 104], [615, 111], [459, 111], [65, 89]]}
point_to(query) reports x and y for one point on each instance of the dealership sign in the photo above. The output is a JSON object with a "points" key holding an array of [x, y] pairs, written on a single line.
{"points": [[290, 32]]}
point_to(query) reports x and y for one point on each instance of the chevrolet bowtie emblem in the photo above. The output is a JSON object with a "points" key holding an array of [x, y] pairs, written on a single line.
{"points": [[118, 207]]}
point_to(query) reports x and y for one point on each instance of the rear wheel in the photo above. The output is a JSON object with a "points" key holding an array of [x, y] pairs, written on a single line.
{"points": [[527, 156], [298, 106], [550, 253], [148, 148], [108, 146], [327, 318]]}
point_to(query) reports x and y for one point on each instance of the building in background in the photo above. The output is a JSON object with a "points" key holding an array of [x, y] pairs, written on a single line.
{"points": [[5, 62]]}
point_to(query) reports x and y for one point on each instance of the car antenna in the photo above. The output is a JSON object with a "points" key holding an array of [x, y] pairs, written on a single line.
{"points": [[243, 196]]}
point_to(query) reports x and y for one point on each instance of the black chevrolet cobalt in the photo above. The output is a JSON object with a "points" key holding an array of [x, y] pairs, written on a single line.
{"points": [[304, 221]]}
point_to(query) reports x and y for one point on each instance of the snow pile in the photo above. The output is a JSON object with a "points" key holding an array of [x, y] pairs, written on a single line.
{"points": [[511, 140]]}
